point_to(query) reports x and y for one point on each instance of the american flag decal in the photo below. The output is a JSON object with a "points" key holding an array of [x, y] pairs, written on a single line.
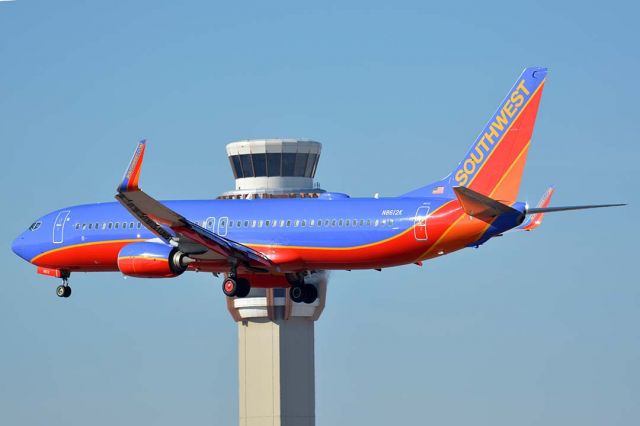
{"points": [[439, 190]]}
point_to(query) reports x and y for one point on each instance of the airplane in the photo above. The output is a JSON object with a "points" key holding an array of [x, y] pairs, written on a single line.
{"points": [[279, 242]]}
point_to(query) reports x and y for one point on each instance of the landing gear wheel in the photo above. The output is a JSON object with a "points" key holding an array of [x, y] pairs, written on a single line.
{"points": [[296, 293], [309, 293], [63, 291], [243, 287], [229, 287]]}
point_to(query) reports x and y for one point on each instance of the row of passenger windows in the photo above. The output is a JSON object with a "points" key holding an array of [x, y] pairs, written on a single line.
{"points": [[109, 225], [282, 223], [311, 223]]}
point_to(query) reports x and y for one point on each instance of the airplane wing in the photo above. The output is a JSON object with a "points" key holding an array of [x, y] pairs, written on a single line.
{"points": [[194, 240]]}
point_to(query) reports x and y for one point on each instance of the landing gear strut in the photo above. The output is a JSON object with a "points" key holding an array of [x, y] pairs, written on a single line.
{"points": [[64, 290]]}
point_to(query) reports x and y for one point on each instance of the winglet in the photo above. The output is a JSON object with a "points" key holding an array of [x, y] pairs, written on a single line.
{"points": [[534, 220], [131, 176]]}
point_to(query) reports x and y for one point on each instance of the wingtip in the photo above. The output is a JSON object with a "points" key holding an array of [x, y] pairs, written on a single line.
{"points": [[132, 174]]}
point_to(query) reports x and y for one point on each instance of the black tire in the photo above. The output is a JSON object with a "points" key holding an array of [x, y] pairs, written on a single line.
{"points": [[309, 293], [67, 291], [60, 291], [229, 287], [244, 287], [296, 293]]}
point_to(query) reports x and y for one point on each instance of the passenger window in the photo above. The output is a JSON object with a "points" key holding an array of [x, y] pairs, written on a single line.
{"points": [[230, 224], [304, 223], [347, 222], [375, 223], [91, 226], [275, 223], [384, 222], [311, 222], [131, 225], [139, 225], [104, 225], [267, 223], [368, 222], [259, 224], [326, 222], [282, 223], [124, 225], [297, 223], [333, 222], [361, 222], [390, 222], [84, 226], [288, 223], [77, 226], [253, 223], [116, 225], [238, 224], [110, 225], [340, 222]]}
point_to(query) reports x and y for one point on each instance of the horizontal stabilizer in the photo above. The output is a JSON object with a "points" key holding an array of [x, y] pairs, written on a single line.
{"points": [[561, 209], [480, 206]]}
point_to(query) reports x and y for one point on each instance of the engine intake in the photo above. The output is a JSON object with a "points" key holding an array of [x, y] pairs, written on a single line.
{"points": [[151, 260]]}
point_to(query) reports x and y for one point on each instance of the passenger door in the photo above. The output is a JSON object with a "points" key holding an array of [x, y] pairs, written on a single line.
{"points": [[58, 226], [420, 225]]}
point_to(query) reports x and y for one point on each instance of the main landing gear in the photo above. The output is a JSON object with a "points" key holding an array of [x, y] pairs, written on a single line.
{"points": [[234, 286], [307, 293], [64, 290], [301, 292]]}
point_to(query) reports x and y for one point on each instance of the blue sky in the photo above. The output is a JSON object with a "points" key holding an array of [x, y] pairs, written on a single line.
{"points": [[535, 328]]}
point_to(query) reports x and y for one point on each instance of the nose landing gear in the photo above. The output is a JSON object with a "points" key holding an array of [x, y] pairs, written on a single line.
{"points": [[64, 290]]}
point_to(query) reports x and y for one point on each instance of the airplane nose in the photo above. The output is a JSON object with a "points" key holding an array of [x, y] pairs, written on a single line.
{"points": [[18, 247]]}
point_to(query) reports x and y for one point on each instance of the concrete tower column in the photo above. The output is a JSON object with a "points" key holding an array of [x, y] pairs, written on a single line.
{"points": [[276, 369]]}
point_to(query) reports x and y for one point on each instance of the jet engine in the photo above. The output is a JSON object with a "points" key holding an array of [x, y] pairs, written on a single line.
{"points": [[151, 260]]}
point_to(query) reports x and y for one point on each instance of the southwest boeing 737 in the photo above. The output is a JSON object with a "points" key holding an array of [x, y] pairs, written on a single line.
{"points": [[277, 242]]}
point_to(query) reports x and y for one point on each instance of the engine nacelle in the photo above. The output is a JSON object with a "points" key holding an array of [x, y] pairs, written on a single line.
{"points": [[151, 260]]}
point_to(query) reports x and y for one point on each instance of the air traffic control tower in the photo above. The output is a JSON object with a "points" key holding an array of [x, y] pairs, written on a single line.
{"points": [[276, 335]]}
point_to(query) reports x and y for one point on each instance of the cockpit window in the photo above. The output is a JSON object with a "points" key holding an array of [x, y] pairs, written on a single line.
{"points": [[35, 225]]}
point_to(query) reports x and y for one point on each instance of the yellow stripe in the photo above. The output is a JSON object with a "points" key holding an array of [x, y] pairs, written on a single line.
{"points": [[79, 245]]}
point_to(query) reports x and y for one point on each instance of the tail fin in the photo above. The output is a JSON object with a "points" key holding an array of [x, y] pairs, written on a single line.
{"points": [[494, 164]]}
